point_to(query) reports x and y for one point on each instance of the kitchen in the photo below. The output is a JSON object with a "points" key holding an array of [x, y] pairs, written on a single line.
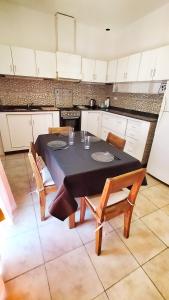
{"points": [[64, 70]]}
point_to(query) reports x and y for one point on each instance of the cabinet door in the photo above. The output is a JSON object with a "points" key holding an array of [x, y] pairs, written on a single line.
{"points": [[147, 65], [68, 65], [24, 61], [41, 123], [6, 66], [84, 115], [122, 69], [100, 71], [93, 122], [46, 64], [20, 130], [88, 66], [133, 67], [161, 70], [111, 71]]}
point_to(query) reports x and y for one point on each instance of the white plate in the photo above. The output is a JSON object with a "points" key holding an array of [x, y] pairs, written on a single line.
{"points": [[102, 156], [57, 144]]}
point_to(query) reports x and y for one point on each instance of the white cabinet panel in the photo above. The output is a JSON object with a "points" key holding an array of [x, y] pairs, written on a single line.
{"points": [[90, 121], [122, 69], [133, 67], [88, 66], [24, 61], [41, 123], [68, 65], [104, 133], [100, 71], [6, 65], [20, 130], [46, 64], [111, 71], [147, 65], [162, 64], [115, 123]]}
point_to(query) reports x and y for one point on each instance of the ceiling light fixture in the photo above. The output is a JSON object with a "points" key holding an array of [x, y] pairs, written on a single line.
{"points": [[107, 29]]}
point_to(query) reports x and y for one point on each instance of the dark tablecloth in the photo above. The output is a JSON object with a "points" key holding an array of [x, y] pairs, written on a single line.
{"points": [[76, 174]]}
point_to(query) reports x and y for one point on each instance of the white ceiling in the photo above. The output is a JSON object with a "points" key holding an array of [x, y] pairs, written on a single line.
{"points": [[115, 14]]}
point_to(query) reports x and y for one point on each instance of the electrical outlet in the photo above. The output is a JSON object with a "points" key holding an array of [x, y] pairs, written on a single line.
{"points": [[162, 88]]}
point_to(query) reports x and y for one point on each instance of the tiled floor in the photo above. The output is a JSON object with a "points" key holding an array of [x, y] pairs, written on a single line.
{"points": [[46, 260]]}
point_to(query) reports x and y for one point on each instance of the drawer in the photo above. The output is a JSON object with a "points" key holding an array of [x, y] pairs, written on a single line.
{"points": [[115, 124], [137, 129], [134, 148]]}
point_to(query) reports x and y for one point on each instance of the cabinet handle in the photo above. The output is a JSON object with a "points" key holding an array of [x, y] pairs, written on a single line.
{"points": [[11, 69], [38, 71], [151, 73], [126, 75], [154, 72]]}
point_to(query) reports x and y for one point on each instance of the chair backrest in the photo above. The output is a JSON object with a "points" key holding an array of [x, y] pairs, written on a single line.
{"points": [[58, 130], [116, 140], [33, 158], [132, 179]]}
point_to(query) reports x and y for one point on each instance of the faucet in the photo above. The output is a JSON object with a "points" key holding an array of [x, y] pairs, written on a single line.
{"points": [[29, 105]]}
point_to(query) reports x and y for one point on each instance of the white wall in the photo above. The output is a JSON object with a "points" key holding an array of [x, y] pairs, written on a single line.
{"points": [[24, 27]]}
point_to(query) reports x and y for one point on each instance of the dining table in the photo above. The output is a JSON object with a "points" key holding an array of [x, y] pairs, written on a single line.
{"points": [[77, 172]]}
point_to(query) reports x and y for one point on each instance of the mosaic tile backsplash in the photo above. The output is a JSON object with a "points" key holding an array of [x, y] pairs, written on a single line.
{"points": [[18, 91]]}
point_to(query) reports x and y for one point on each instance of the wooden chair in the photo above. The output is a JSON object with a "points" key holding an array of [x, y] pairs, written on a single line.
{"points": [[58, 130], [114, 200], [44, 182], [116, 140]]}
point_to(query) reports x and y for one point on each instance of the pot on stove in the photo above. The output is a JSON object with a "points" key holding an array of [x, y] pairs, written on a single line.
{"points": [[92, 102]]}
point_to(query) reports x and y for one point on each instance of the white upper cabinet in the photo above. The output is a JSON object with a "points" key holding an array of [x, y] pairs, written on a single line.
{"points": [[100, 71], [161, 71], [122, 69], [128, 68], [133, 67], [88, 66], [68, 65], [23, 61], [111, 71], [94, 70], [6, 66], [147, 65], [45, 64]]}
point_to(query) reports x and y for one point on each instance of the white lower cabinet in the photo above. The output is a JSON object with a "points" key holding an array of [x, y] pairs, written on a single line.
{"points": [[134, 131], [19, 129], [41, 123], [90, 121]]}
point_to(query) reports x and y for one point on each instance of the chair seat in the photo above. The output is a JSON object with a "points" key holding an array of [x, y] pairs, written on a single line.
{"points": [[47, 179], [113, 198]]}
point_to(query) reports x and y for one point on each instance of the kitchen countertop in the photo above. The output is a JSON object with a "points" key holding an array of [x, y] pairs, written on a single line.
{"points": [[150, 117]]}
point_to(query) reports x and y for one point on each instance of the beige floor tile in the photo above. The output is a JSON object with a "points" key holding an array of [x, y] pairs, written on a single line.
{"points": [[72, 277], [136, 286], [24, 219], [142, 242], [158, 194], [118, 221], [14, 156], [87, 229], [103, 296], [32, 285], [151, 181], [115, 260], [165, 209], [20, 254], [158, 222], [158, 270], [23, 199], [57, 239], [15, 163], [143, 206]]}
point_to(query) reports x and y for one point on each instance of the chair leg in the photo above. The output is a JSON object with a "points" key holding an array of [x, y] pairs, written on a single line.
{"points": [[42, 199], [98, 239], [82, 209], [127, 222], [72, 221]]}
